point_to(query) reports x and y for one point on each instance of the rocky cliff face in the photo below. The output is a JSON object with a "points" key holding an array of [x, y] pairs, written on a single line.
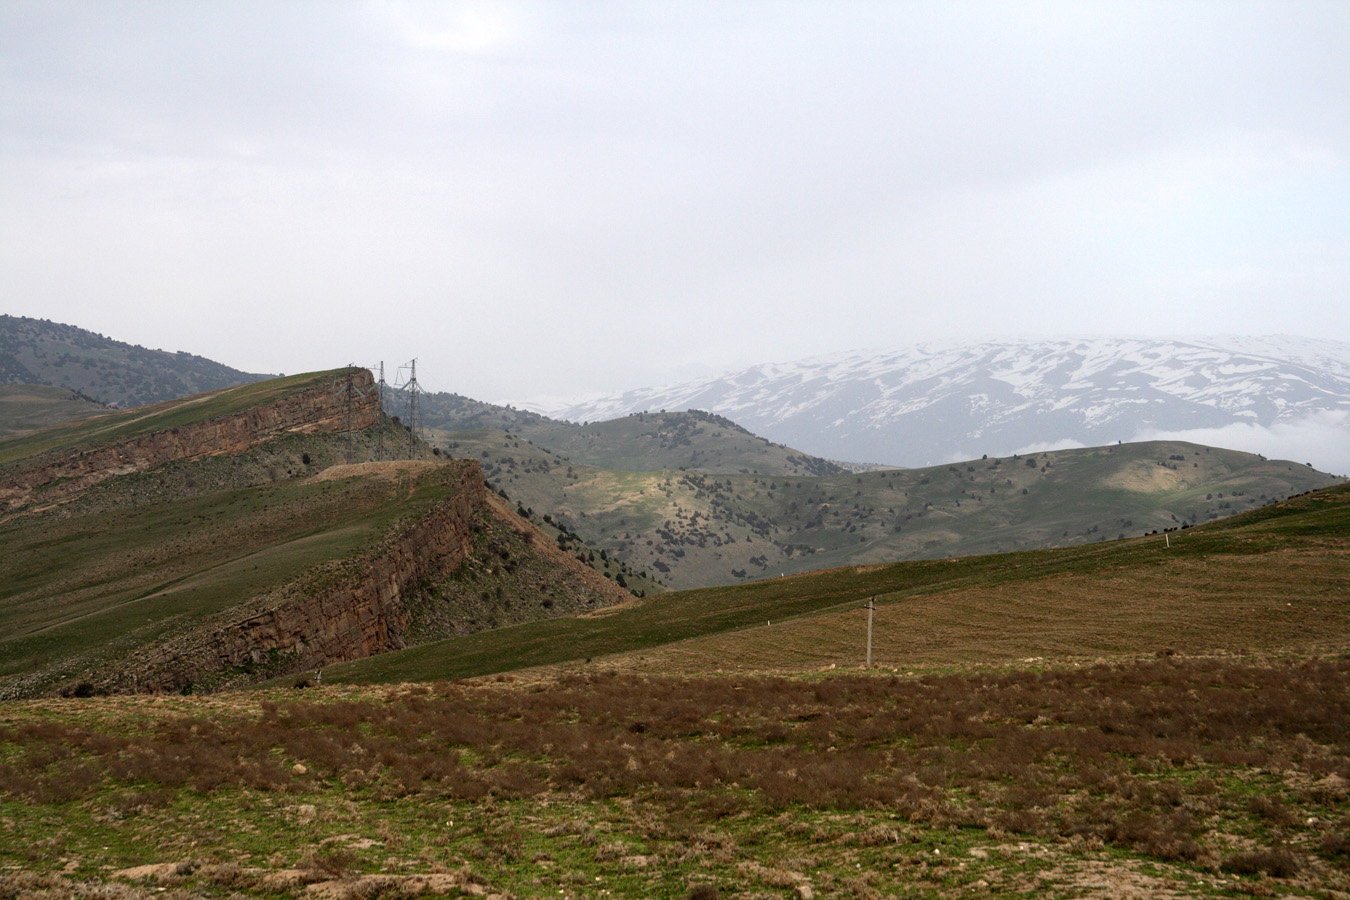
{"points": [[345, 609], [357, 607], [316, 410], [346, 568]]}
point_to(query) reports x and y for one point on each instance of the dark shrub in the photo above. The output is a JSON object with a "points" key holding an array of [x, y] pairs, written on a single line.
{"points": [[1278, 863]]}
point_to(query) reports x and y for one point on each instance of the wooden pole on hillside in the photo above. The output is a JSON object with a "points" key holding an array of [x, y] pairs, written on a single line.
{"points": [[871, 605]]}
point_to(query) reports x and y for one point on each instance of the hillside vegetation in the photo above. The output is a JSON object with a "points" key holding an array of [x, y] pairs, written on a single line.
{"points": [[26, 407], [35, 351], [1181, 729], [1269, 579], [699, 527], [240, 533], [641, 442]]}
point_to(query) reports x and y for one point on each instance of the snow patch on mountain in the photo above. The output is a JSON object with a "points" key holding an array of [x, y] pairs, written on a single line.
{"points": [[1283, 396]]}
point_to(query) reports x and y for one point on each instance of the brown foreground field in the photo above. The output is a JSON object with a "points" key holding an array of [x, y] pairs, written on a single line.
{"points": [[1280, 601], [1164, 777], [1122, 720]]}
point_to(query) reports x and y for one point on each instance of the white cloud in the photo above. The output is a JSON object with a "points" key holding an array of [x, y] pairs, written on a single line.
{"points": [[1322, 439], [576, 197], [459, 27]]}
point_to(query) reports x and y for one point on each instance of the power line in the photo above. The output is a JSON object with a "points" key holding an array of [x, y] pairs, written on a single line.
{"points": [[414, 390], [348, 393], [379, 404]]}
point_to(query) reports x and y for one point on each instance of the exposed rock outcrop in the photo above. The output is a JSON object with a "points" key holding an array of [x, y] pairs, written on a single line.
{"points": [[55, 476], [387, 547], [357, 607]]}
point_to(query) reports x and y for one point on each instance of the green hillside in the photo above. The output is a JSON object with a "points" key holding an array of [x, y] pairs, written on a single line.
{"points": [[26, 407], [693, 440], [1155, 716], [1268, 579], [109, 428], [642, 442], [700, 528], [137, 568], [1162, 716], [137, 563], [36, 351]]}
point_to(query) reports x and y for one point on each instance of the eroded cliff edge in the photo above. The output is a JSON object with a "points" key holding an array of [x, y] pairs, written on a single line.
{"points": [[210, 542], [365, 604], [108, 446]]}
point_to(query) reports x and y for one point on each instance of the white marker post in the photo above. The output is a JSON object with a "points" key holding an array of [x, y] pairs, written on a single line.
{"points": [[871, 605]]}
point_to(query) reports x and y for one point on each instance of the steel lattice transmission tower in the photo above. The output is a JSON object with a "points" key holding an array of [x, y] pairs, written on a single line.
{"points": [[348, 392], [414, 423], [380, 388]]}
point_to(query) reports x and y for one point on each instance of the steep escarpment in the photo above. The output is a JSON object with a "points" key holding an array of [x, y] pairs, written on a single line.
{"points": [[399, 591], [337, 610], [515, 574], [96, 449], [223, 540]]}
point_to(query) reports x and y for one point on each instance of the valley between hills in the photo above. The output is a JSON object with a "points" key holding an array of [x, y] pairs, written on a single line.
{"points": [[260, 641]]}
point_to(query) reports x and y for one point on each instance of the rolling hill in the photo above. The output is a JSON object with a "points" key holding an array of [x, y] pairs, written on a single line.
{"points": [[26, 407], [1120, 719], [640, 442], [1268, 580], [253, 530], [702, 528], [105, 371], [1162, 715]]}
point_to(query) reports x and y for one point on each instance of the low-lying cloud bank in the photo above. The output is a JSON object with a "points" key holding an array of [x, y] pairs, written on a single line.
{"points": [[1322, 439]]}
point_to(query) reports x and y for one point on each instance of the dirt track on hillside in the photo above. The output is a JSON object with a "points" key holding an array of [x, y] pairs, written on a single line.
{"points": [[389, 468]]}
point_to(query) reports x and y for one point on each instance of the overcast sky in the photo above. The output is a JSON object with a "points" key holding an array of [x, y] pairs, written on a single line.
{"points": [[558, 198]]}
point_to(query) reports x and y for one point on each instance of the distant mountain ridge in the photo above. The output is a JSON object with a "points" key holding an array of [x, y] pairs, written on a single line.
{"points": [[936, 402], [35, 351]]}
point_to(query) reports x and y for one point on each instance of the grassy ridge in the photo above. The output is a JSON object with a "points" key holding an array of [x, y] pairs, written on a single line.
{"points": [[1317, 524], [101, 430], [148, 555], [700, 528], [641, 442]]}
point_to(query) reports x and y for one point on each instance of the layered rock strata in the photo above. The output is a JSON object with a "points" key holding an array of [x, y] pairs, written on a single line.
{"points": [[356, 607], [341, 610], [319, 409]]}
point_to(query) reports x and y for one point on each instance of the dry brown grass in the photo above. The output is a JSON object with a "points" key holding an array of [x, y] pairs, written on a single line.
{"points": [[1121, 754], [1269, 602]]}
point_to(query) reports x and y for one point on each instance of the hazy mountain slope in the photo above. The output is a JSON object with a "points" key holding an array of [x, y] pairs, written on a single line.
{"points": [[454, 412], [695, 529], [639, 442], [35, 351], [935, 402], [24, 407]]}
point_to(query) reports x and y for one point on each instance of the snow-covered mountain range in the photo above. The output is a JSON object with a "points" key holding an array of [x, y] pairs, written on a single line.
{"points": [[1286, 397]]}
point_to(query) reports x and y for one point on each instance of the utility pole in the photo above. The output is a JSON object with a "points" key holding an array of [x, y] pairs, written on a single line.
{"points": [[871, 605], [414, 423], [379, 424], [414, 414], [347, 392]]}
